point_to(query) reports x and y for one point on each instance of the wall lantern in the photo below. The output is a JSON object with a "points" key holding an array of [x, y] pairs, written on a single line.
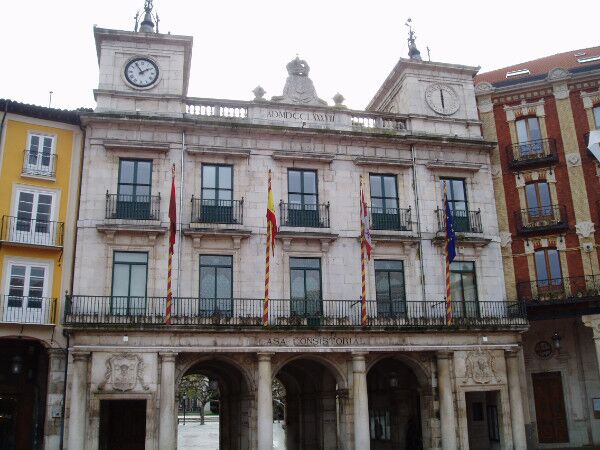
{"points": [[393, 381], [16, 366], [556, 339]]}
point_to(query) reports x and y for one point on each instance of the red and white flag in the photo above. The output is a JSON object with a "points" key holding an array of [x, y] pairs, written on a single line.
{"points": [[365, 231], [172, 233]]}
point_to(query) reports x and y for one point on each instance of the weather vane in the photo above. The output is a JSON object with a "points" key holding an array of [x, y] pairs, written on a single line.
{"points": [[413, 52], [147, 25]]}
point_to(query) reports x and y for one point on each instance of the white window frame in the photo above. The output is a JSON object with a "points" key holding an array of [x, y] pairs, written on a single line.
{"points": [[37, 171], [22, 237]]}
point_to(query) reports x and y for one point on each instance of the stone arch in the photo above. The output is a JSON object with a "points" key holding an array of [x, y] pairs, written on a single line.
{"points": [[334, 367], [422, 373], [189, 361]]}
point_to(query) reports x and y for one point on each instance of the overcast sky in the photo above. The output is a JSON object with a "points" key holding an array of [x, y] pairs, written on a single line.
{"points": [[351, 46]]}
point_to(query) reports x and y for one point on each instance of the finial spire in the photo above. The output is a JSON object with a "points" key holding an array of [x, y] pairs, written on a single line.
{"points": [[147, 25], [413, 51]]}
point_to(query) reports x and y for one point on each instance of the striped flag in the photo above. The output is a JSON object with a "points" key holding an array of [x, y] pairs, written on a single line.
{"points": [[271, 233], [450, 253], [366, 246], [172, 232]]}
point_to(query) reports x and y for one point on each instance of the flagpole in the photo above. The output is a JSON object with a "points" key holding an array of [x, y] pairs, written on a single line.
{"points": [[267, 266], [447, 257], [171, 242], [363, 298]]}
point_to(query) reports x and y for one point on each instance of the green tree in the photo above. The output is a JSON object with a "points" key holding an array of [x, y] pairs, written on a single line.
{"points": [[200, 388]]}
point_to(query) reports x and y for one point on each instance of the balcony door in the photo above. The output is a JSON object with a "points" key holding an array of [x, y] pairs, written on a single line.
{"points": [[130, 276], [548, 273], [38, 157], [216, 285], [457, 201], [303, 199], [32, 224], [539, 203], [217, 194], [134, 190], [384, 202], [27, 287], [389, 288], [305, 289], [463, 289], [529, 137]]}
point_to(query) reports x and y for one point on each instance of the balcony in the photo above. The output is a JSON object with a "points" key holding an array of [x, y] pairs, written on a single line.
{"points": [[106, 311], [132, 207], [206, 211], [32, 232], [28, 310], [541, 220], [391, 219], [538, 152], [39, 164], [464, 221], [306, 216]]}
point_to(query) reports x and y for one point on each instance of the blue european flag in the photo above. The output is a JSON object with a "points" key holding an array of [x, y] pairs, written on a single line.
{"points": [[450, 235]]}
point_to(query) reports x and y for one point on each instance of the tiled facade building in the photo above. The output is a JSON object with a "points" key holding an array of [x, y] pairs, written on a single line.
{"points": [[547, 195]]}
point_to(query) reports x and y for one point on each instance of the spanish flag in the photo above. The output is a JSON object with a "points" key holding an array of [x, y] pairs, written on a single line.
{"points": [[271, 233]]}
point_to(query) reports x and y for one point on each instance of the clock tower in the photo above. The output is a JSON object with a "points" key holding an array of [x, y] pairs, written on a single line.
{"points": [[142, 71]]}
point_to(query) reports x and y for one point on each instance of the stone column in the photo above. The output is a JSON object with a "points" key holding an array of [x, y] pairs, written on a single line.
{"points": [[517, 420], [54, 398], [360, 397], [264, 402], [77, 412], [167, 416], [447, 416], [593, 321]]}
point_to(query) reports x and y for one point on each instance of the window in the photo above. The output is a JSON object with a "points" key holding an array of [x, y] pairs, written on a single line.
{"points": [[217, 194], [463, 289], [130, 274], [539, 204], [529, 136], [27, 287], [33, 218], [547, 269], [134, 189], [303, 199], [305, 286], [380, 425], [389, 287], [39, 158], [216, 284], [457, 201], [596, 112], [384, 202]]}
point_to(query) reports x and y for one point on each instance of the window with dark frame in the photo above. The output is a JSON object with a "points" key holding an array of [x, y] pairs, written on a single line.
{"points": [[303, 198], [384, 202], [134, 189], [217, 193], [463, 286], [539, 203], [216, 284], [390, 293], [305, 287], [529, 136], [547, 269], [129, 282], [456, 195]]}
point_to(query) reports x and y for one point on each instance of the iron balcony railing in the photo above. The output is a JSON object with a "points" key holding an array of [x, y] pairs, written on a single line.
{"points": [[81, 310], [396, 219], [39, 163], [33, 310], [25, 230], [464, 221], [304, 215], [559, 290], [217, 211], [531, 153], [541, 219], [132, 207]]}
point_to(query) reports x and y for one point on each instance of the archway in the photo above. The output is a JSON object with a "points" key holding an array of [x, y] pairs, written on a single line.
{"points": [[394, 406], [228, 409], [311, 405]]}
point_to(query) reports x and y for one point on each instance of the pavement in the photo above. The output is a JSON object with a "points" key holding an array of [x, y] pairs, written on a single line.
{"points": [[193, 436]]}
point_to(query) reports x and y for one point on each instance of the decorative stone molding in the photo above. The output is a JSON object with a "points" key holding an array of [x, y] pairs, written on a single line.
{"points": [[485, 104], [573, 159], [505, 238], [479, 367], [529, 247], [525, 109], [550, 176], [259, 94], [123, 372], [483, 87], [558, 73], [495, 170], [584, 229], [592, 321], [561, 91], [590, 98], [519, 180]]}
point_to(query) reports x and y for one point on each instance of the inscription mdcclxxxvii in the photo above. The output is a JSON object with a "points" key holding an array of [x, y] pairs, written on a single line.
{"points": [[303, 116], [312, 341]]}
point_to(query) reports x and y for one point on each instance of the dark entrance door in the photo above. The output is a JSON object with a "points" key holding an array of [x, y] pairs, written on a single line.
{"points": [[122, 425], [550, 408]]}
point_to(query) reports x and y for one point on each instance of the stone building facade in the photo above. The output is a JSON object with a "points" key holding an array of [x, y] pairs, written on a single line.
{"points": [[407, 380], [546, 182]]}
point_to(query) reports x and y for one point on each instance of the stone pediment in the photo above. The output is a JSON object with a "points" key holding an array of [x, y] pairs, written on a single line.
{"points": [[299, 88]]}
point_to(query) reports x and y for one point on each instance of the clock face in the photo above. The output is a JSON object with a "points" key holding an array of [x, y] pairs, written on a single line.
{"points": [[141, 72], [442, 99]]}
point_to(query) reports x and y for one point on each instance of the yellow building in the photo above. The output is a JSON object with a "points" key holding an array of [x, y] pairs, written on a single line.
{"points": [[40, 160]]}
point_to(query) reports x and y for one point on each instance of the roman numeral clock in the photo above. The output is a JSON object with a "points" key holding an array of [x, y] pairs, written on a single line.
{"points": [[141, 72], [442, 99]]}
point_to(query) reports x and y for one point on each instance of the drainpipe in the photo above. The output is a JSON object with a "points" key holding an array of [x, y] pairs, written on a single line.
{"points": [[418, 215], [64, 393], [180, 210], [4, 117]]}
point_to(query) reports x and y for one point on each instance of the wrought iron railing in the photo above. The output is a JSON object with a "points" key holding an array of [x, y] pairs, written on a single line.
{"points": [[541, 219], [22, 230], [304, 215], [558, 290], [315, 313], [463, 221], [538, 151], [132, 207], [39, 163], [397, 219], [34, 310], [217, 211]]}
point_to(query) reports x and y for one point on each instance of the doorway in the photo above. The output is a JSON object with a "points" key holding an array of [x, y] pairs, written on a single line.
{"points": [[550, 408], [483, 420], [122, 425]]}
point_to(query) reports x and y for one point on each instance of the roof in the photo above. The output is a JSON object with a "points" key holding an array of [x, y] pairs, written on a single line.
{"points": [[538, 68], [42, 112]]}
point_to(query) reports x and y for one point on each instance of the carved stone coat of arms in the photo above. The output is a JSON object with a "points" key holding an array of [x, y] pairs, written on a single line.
{"points": [[123, 372], [479, 367]]}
